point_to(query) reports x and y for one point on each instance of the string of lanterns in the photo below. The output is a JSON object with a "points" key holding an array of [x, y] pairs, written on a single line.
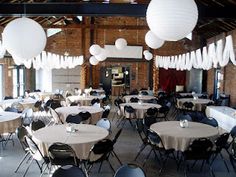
{"points": [[100, 54], [212, 56]]}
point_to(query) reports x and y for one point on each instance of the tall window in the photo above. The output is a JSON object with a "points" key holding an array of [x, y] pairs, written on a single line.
{"points": [[1, 82], [18, 81]]}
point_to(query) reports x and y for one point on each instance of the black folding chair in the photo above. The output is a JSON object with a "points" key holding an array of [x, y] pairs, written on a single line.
{"points": [[75, 119], [69, 171]]}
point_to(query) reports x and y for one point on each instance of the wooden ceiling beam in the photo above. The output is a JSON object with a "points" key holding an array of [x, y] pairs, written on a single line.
{"points": [[101, 9]]}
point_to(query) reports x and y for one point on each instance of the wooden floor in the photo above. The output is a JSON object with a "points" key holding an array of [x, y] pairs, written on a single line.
{"points": [[127, 147]]}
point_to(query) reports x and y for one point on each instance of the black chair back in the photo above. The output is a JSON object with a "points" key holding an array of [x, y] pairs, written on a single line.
{"points": [[144, 92], [129, 109], [85, 115], [221, 141], [94, 93], [134, 100], [95, 100], [210, 121], [199, 149], [10, 109], [69, 171], [21, 132], [37, 124], [118, 101], [116, 136], [62, 154], [233, 132], [154, 138], [106, 113], [55, 104], [75, 119], [149, 120], [74, 104], [8, 97], [152, 111]]}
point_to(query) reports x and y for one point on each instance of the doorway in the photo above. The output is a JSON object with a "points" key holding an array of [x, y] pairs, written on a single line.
{"points": [[18, 81]]}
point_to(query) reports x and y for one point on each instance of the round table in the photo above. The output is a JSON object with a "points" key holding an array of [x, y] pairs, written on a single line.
{"points": [[144, 98], [198, 103], [178, 138], [26, 103], [81, 141], [141, 108], [9, 121], [84, 100], [96, 113]]}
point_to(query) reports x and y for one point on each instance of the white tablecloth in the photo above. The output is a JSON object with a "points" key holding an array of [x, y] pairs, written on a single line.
{"points": [[26, 103], [81, 141], [225, 116], [178, 138], [144, 98], [41, 95], [9, 121], [198, 103], [94, 111], [84, 100], [140, 109]]}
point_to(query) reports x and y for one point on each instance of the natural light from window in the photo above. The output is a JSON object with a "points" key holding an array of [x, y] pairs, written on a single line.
{"points": [[52, 31]]}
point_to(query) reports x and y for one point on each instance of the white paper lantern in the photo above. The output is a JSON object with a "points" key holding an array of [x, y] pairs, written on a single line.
{"points": [[95, 49], [148, 56], [172, 20], [120, 43], [145, 52], [93, 60], [102, 56], [153, 41], [24, 38]]}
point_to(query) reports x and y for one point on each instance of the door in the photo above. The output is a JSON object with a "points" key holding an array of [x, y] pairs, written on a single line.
{"points": [[105, 81], [18, 81]]}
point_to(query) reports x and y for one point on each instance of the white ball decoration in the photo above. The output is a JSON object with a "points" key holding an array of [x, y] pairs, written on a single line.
{"points": [[153, 41], [145, 52], [102, 56], [120, 43], [172, 20], [93, 60], [95, 49], [24, 38], [148, 56]]}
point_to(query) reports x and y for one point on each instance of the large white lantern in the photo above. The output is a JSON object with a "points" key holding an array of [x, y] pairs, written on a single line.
{"points": [[172, 20], [95, 49], [120, 43], [153, 41], [93, 60], [24, 38]]}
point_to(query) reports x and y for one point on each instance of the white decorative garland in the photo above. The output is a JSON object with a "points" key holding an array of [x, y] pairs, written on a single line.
{"points": [[208, 57]]}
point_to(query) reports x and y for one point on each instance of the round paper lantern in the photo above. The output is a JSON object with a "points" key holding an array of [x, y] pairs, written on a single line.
{"points": [[102, 56], [95, 49], [172, 20], [93, 60], [148, 56], [153, 41], [145, 52], [120, 43], [24, 38]]}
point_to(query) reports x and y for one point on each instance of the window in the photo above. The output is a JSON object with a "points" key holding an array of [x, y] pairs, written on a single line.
{"points": [[18, 78]]}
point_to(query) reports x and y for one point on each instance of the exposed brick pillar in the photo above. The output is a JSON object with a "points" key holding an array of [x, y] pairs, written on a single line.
{"points": [[155, 79]]}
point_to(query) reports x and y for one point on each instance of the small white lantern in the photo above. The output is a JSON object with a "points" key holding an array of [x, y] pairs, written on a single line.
{"points": [[145, 52], [153, 41], [102, 56], [95, 49], [148, 56], [93, 60], [24, 38], [120, 43], [172, 20]]}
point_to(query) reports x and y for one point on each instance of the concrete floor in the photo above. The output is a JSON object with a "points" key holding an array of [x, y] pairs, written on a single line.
{"points": [[127, 147]]}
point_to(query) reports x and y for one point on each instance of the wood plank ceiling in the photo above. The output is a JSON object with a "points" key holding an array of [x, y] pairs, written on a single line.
{"points": [[220, 19]]}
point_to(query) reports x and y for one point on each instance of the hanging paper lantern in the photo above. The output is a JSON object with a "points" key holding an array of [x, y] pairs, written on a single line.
{"points": [[102, 56], [153, 41], [95, 49], [145, 52], [24, 38], [93, 60], [148, 56], [120, 43], [172, 20]]}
